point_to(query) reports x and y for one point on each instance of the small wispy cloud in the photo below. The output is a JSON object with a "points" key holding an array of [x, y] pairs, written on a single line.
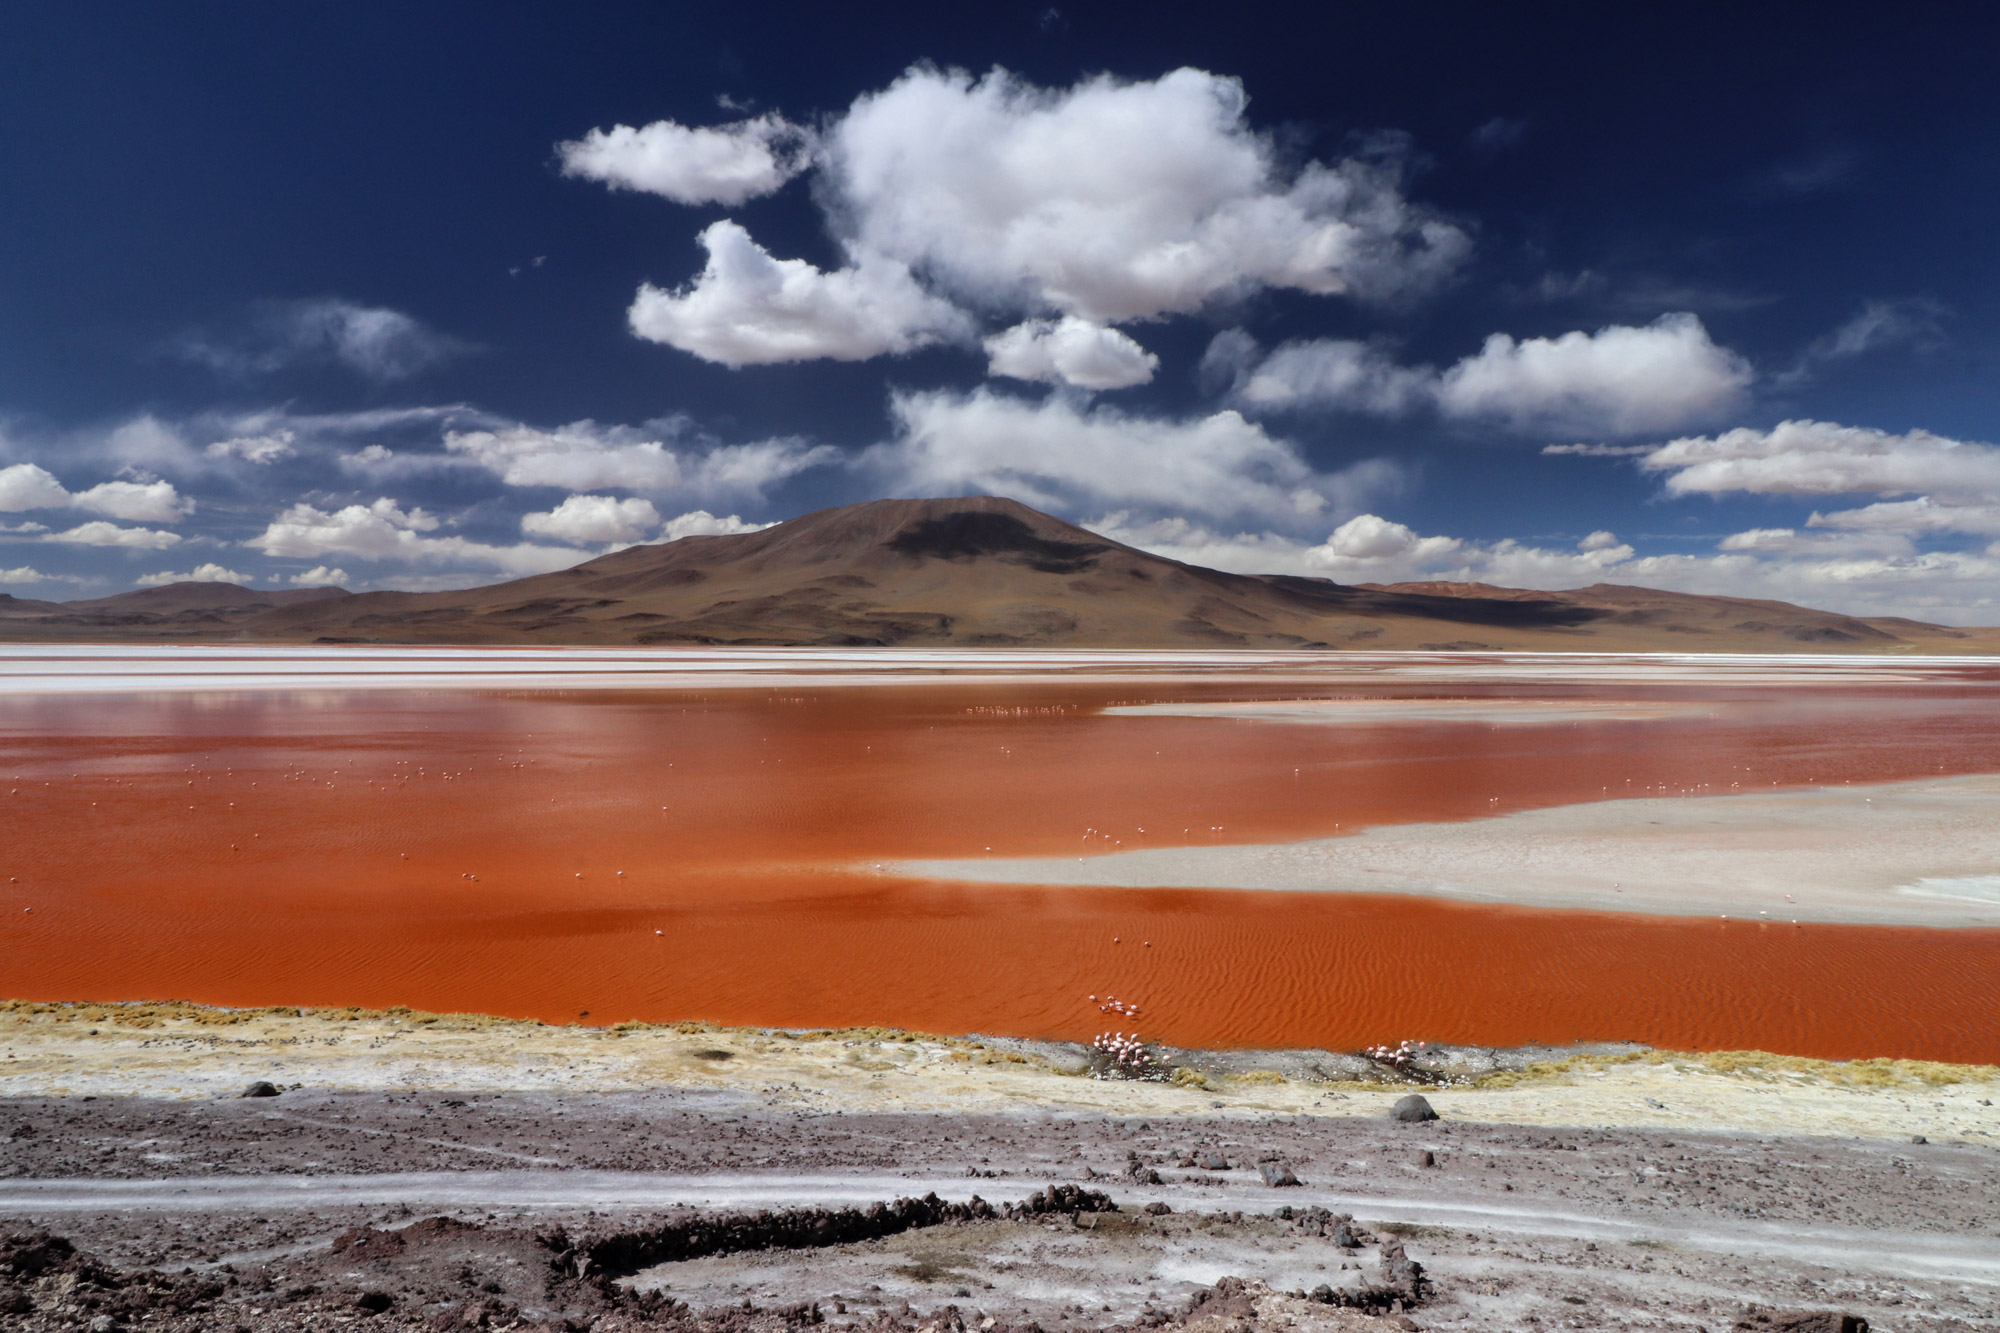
{"points": [[1916, 323], [1816, 171], [1498, 134], [374, 342]]}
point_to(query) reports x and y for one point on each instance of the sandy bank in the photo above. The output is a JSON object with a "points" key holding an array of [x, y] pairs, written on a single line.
{"points": [[1907, 853], [187, 1051]]}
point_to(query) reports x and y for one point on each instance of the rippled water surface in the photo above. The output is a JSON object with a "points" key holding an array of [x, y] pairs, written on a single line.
{"points": [[526, 834]]}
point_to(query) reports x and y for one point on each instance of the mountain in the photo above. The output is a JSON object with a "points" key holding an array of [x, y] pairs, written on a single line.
{"points": [[171, 611], [974, 572]]}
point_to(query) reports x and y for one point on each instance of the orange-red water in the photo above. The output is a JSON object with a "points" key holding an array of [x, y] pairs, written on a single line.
{"points": [[319, 849]]}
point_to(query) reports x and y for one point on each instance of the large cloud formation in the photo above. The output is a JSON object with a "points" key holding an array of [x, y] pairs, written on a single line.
{"points": [[1114, 200], [1107, 202]]}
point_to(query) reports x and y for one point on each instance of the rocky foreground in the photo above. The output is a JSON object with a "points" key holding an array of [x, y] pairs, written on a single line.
{"points": [[408, 1172]]}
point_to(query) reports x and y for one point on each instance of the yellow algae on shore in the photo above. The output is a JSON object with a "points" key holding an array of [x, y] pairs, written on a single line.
{"points": [[177, 1050]]}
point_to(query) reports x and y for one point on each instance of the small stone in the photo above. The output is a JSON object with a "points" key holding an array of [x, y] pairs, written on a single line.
{"points": [[1276, 1174], [1425, 1157], [1214, 1161], [1157, 1210], [259, 1089], [373, 1302], [1413, 1109], [1918, 1138]]}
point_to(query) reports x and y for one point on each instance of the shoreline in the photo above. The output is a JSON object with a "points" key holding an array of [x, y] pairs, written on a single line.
{"points": [[178, 1051], [66, 668]]}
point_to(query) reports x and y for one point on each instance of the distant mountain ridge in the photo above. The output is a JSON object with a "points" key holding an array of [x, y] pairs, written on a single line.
{"points": [[978, 571]]}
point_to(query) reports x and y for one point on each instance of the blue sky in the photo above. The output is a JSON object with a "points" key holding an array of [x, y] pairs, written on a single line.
{"points": [[429, 296]]}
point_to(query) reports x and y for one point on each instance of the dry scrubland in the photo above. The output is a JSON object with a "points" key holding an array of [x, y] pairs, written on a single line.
{"points": [[427, 1172]]}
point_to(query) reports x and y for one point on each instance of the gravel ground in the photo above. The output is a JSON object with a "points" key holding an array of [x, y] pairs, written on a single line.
{"points": [[1517, 1228]]}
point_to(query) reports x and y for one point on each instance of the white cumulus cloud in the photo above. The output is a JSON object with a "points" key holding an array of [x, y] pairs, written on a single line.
{"points": [[589, 519], [1328, 372], [140, 502], [1619, 380], [1057, 455], [1114, 200], [320, 576], [1822, 458], [586, 456], [1922, 516], [704, 164], [385, 530], [25, 486], [747, 308], [207, 572], [100, 533], [1368, 548], [1070, 351], [701, 523], [1110, 201]]}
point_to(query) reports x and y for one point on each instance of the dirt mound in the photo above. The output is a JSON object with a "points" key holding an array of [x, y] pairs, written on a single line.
{"points": [[627, 1252]]}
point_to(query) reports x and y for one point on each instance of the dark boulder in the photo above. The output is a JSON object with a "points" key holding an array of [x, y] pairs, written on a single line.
{"points": [[1412, 1109], [259, 1089]]}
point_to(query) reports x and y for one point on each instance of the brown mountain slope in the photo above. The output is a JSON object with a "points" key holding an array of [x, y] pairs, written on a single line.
{"points": [[1631, 607], [172, 610], [976, 572]]}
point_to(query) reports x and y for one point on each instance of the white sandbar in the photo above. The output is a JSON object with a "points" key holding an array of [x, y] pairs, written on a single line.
{"points": [[1907, 853], [1376, 712]]}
